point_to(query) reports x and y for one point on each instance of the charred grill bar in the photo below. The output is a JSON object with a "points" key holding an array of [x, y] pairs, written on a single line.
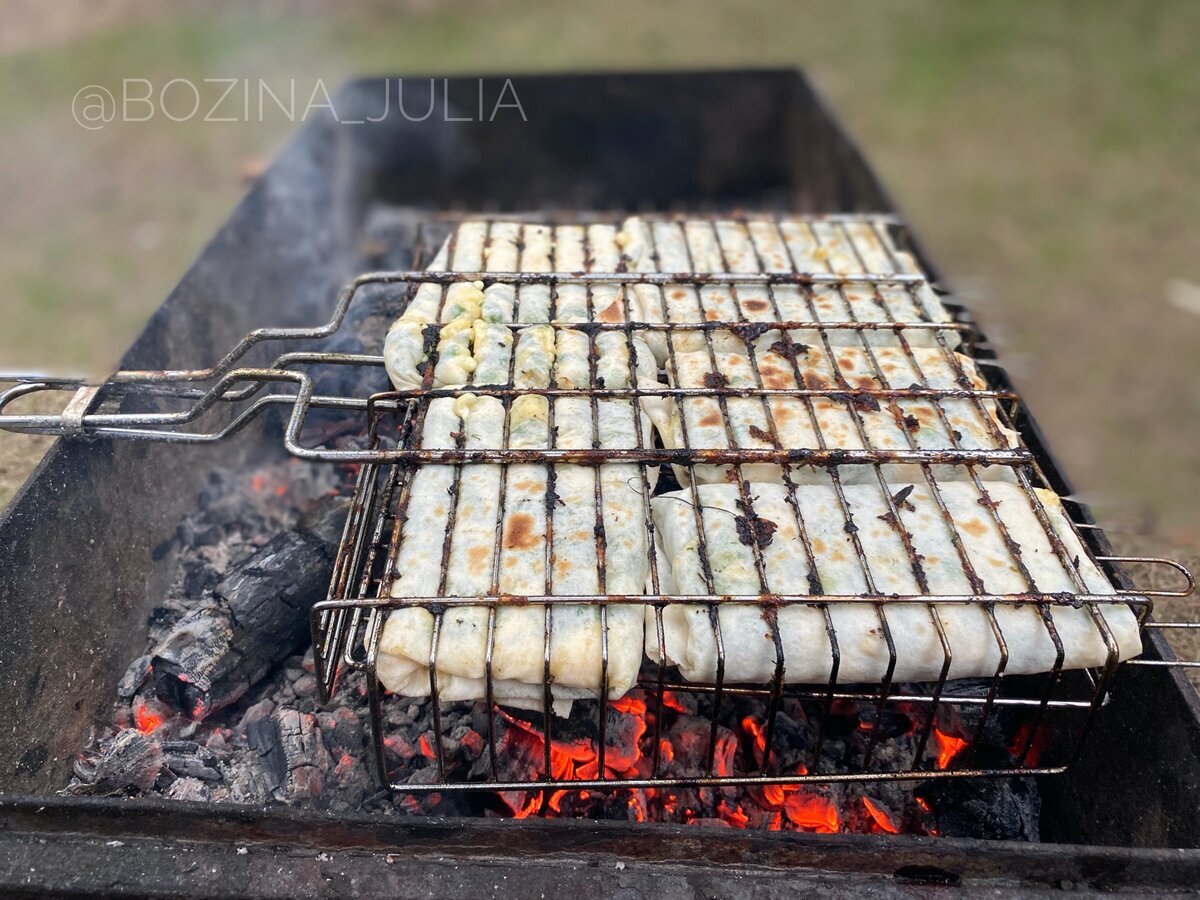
{"points": [[747, 140]]}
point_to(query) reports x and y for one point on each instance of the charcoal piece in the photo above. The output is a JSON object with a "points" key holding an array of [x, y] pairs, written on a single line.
{"points": [[260, 710], [305, 686], [185, 766], [133, 678], [258, 617], [892, 723], [578, 734], [307, 759], [342, 731], [791, 744], [130, 760], [188, 789], [994, 809], [690, 737], [270, 763], [291, 757]]}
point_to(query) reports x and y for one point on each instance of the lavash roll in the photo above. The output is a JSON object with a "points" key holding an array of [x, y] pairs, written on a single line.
{"points": [[746, 632], [786, 421], [519, 641], [576, 642]]}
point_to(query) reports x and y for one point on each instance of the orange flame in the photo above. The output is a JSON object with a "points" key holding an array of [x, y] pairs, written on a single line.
{"points": [[578, 761], [734, 816], [948, 748], [146, 719], [1033, 757], [882, 819], [426, 747], [670, 700], [775, 807], [773, 794], [630, 705], [750, 726], [812, 813], [532, 805]]}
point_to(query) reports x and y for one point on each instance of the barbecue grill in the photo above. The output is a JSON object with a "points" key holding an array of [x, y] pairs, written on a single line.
{"points": [[147, 402], [347, 627]]}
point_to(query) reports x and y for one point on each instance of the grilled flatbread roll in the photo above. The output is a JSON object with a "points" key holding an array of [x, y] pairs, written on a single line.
{"points": [[536, 511], [776, 362], [750, 656], [473, 344], [790, 245], [456, 306]]}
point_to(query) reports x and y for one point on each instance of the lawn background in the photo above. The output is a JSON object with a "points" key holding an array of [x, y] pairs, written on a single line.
{"points": [[1048, 153]]}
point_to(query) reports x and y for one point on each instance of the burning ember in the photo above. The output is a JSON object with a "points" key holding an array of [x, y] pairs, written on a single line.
{"points": [[270, 740], [948, 748], [869, 807], [146, 719], [880, 816]]}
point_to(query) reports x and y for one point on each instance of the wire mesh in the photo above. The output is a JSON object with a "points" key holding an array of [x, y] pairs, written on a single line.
{"points": [[752, 356]]}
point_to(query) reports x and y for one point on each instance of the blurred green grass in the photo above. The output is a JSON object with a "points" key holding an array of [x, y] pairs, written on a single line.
{"points": [[1049, 152]]}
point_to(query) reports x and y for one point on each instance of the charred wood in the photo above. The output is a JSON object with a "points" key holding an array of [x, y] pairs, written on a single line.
{"points": [[256, 619]]}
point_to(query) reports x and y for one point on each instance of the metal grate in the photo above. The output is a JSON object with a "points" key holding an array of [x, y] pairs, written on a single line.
{"points": [[349, 625], [852, 296]]}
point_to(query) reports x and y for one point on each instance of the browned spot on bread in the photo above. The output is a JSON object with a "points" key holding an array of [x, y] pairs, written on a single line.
{"points": [[519, 533], [611, 313], [678, 294], [711, 315], [775, 378], [818, 545], [478, 558], [815, 382], [710, 420], [974, 527], [755, 305], [864, 381]]}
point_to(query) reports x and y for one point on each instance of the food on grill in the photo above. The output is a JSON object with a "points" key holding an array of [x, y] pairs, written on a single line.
{"points": [[473, 345], [594, 249], [784, 246], [774, 362], [518, 566], [533, 528], [731, 533], [536, 510]]}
